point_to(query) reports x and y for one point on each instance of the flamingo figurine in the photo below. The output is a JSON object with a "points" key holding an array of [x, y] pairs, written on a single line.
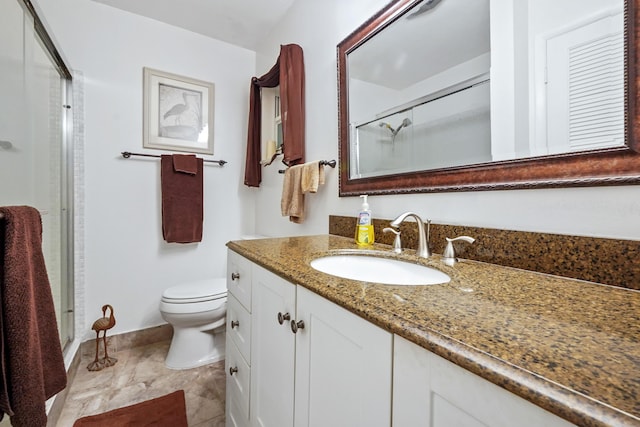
{"points": [[103, 324]]}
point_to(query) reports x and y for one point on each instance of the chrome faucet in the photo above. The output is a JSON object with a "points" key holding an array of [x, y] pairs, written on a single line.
{"points": [[397, 243], [423, 240], [449, 254]]}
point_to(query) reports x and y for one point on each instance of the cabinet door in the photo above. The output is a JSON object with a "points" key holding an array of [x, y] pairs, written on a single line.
{"points": [[343, 367], [430, 391], [272, 350]]}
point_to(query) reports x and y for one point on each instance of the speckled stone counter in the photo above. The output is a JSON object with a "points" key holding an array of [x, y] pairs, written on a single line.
{"points": [[569, 346], [610, 261]]}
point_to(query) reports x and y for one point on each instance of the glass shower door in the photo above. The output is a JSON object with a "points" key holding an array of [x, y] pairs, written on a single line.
{"points": [[33, 151]]}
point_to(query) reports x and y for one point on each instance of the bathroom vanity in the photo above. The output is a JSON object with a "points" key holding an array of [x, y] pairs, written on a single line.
{"points": [[495, 346]]}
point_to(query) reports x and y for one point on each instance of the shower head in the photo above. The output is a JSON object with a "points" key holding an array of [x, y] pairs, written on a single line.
{"points": [[406, 122], [385, 125], [425, 7]]}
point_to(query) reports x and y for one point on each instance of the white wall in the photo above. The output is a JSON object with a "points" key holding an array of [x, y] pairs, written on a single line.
{"points": [[127, 263], [318, 26]]}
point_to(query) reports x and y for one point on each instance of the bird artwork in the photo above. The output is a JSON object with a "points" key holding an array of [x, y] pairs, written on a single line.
{"points": [[177, 110], [182, 120], [103, 324]]}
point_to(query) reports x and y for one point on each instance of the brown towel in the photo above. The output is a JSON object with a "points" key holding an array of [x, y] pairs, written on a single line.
{"points": [[187, 163], [312, 177], [182, 210], [32, 362], [292, 202]]}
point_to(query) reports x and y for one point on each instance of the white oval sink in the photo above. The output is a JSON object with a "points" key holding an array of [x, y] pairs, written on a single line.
{"points": [[379, 270]]}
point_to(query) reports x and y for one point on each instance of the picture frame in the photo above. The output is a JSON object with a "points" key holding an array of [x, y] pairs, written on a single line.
{"points": [[178, 112]]}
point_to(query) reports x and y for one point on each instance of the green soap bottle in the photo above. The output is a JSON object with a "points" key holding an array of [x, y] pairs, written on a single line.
{"points": [[364, 226]]}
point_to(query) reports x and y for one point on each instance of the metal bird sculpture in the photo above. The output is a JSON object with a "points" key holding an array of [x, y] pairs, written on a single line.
{"points": [[103, 324]]}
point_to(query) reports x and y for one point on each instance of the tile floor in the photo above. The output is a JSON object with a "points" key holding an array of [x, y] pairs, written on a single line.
{"points": [[140, 375]]}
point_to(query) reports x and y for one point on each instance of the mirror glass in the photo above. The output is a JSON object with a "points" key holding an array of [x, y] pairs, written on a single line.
{"points": [[443, 95], [452, 83]]}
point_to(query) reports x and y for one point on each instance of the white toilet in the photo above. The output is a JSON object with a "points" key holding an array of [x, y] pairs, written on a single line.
{"points": [[197, 311]]}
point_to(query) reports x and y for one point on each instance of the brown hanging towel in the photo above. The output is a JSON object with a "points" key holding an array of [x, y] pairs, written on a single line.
{"points": [[32, 365], [182, 205]]}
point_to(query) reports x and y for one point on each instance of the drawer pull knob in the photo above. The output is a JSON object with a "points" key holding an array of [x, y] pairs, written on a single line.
{"points": [[235, 276], [296, 325], [235, 323], [232, 370], [283, 317]]}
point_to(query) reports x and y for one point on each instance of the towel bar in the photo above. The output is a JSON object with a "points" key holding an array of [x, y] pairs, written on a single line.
{"points": [[331, 163], [127, 154]]}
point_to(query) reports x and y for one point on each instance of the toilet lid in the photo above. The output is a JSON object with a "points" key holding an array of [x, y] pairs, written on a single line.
{"points": [[199, 291]]}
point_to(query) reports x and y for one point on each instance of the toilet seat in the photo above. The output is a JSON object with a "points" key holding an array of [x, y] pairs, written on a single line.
{"points": [[194, 292]]}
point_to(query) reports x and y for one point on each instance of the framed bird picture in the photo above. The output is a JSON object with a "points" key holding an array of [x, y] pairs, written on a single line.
{"points": [[178, 112]]}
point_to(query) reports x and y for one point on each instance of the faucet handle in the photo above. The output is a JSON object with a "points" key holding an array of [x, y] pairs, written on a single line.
{"points": [[449, 254], [397, 244]]}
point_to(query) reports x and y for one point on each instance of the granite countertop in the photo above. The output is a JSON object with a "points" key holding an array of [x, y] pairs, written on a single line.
{"points": [[569, 346]]}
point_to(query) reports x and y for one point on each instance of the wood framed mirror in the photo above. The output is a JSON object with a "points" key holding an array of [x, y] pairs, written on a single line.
{"points": [[608, 165]]}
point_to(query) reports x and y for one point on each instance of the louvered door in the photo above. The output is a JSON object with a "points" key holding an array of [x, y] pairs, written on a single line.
{"points": [[585, 86]]}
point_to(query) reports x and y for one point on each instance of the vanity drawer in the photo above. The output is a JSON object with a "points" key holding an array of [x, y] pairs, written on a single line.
{"points": [[239, 278], [238, 380], [239, 327]]}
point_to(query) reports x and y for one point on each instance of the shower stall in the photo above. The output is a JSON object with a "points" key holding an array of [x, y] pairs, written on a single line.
{"points": [[36, 153]]}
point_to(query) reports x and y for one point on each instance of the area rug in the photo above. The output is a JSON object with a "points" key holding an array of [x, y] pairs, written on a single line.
{"points": [[164, 411]]}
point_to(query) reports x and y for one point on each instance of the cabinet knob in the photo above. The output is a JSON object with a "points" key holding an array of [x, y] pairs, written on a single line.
{"points": [[296, 325], [283, 317], [233, 370], [235, 276], [235, 323]]}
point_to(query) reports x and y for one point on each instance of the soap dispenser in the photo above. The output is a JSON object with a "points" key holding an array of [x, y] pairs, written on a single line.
{"points": [[364, 227]]}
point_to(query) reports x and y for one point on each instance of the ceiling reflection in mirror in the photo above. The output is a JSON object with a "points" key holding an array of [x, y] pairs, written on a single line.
{"points": [[451, 83]]}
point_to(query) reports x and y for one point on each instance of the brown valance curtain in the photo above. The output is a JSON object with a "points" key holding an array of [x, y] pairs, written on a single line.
{"points": [[288, 72]]}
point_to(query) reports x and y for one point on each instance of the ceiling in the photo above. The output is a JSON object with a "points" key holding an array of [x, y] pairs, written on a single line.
{"points": [[240, 22], [421, 45]]}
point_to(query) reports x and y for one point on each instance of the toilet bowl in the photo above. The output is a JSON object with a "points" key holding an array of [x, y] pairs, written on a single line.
{"points": [[197, 311]]}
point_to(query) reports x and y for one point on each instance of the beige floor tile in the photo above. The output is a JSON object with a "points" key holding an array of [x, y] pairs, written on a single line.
{"points": [[140, 375]]}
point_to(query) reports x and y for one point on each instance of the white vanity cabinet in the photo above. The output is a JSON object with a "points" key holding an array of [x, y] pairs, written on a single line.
{"points": [[430, 391], [338, 369], [335, 370]]}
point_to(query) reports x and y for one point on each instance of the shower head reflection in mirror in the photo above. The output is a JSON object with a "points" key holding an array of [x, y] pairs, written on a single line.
{"points": [[394, 132]]}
